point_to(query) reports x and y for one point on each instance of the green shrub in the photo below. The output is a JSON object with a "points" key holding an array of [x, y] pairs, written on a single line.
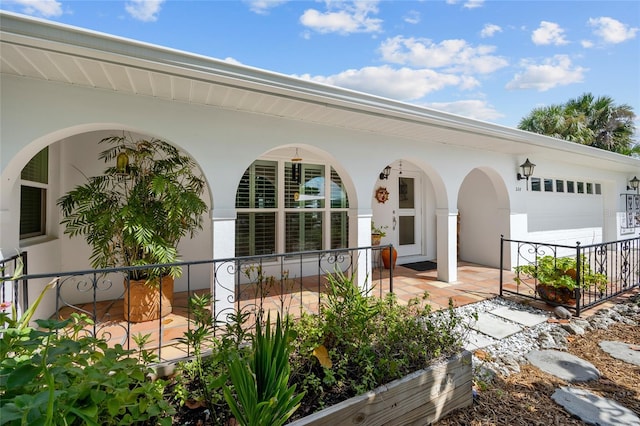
{"points": [[368, 341], [57, 375], [561, 272]]}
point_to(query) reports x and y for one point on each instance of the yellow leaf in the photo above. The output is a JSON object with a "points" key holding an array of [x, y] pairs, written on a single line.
{"points": [[323, 356]]}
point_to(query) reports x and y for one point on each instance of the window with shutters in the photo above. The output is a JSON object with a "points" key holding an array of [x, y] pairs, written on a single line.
{"points": [[308, 213], [33, 196]]}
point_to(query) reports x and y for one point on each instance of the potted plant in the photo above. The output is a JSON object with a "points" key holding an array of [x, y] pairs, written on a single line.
{"points": [[135, 214], [377, 232], [556, 278]]}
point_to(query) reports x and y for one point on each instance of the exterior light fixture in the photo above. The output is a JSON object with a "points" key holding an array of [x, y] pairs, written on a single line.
{"points": [[634, 184], [385, 173], [527, 170]]}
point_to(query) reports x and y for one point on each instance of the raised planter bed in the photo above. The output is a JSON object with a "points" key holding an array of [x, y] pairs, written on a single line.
{"points": [[422, 397]]}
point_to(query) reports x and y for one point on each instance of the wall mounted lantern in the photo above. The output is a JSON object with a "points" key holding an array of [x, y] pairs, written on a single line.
{"points": [[634, 184], [385, 173], [527, 170]]}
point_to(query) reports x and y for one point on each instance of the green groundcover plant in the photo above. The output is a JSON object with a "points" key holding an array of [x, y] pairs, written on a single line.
{"points": [[56, 374]]}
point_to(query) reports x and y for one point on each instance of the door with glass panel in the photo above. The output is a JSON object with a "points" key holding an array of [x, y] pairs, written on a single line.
{"points": [[407, 220]]}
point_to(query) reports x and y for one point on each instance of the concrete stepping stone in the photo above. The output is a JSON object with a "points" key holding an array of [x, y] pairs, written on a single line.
{"points": [[621, 351], [527, 319], [563, 365], [593, 409], [494, 326], [475, 340]]}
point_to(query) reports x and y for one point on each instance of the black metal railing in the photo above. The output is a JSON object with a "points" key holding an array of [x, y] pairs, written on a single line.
{"points": [[290, 283], [13, 290], [597, 272]]}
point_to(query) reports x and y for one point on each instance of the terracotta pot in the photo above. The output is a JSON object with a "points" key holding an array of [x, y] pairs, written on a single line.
{"points": [[143, 301], [389, 257], [375, 239], [559, 295]]}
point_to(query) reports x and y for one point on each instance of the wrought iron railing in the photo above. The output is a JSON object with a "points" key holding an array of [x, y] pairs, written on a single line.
{"points": [[290, 283], [598, 272], [12, 290]]}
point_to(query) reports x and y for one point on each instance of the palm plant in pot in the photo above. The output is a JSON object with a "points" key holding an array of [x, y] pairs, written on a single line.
{"points": [[135, 214]]}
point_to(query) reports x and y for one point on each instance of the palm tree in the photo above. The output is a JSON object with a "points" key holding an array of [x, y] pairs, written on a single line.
{"points": [[587, 120]]}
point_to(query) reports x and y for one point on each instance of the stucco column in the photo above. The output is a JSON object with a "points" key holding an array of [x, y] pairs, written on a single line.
{"points": [[363, 267], [223, 228], [447, 252]]}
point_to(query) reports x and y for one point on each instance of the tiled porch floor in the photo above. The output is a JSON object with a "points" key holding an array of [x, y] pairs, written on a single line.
{"points": [[475, 283]]}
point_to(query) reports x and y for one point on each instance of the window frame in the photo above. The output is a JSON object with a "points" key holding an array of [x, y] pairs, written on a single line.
{"points": [[285, 209], [44, 189]]}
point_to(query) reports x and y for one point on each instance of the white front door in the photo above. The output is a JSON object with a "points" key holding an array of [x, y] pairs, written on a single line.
{"points": [[407, 214]]}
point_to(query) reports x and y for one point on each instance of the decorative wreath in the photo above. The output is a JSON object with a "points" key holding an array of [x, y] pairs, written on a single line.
{"points": [[382, 195]]}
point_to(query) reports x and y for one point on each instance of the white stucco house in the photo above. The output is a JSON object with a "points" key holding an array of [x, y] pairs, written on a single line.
{"points": [[453, 185]]}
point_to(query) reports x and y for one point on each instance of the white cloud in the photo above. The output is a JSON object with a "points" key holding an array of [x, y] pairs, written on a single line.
{"points": [[549, 33], [232, 60], [262, 7], [402, 84], [469, 4], [612, 31], [456, 55], [44, 8], [344, 18], [552, 72], [144, 10], [472, 108], [473, 4], [587, 44], [413, 17], [489, 30]]}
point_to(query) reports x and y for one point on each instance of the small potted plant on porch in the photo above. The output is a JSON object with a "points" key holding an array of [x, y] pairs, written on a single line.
{"points": [[377, 232], [135, 214], [556, 278]]}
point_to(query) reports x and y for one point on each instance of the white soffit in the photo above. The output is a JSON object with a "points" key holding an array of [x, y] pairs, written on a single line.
{"points": [[38, 49]]}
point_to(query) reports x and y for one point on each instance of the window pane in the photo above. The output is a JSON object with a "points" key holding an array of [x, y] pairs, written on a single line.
{"points": [[255, 234], [309, 193], [407, 230], [37, 170], [589, 188], [32, 211], [303, 231], [535, 184], [580, 187], [598, 189], [257, 188], [548, 185], [339, 230], [559, 186], [338, 194], [570, 186], [405, 193]]}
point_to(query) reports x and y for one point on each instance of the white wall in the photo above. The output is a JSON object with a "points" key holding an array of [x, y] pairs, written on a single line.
{"points": [[480, 222]]}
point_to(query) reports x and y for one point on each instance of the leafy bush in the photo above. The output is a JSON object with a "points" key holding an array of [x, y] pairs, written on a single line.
{"points": [[561, 272], [57, 375], [358, 343]]}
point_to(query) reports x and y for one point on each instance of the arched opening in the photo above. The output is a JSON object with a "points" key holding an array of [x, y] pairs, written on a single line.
{"points": [[483, 208]]}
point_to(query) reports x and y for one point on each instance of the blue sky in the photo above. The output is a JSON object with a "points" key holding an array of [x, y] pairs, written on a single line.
{"points": [[490, 60]]}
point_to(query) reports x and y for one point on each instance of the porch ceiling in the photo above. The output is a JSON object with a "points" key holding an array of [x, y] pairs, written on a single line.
{"points": [[37, 49]]}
